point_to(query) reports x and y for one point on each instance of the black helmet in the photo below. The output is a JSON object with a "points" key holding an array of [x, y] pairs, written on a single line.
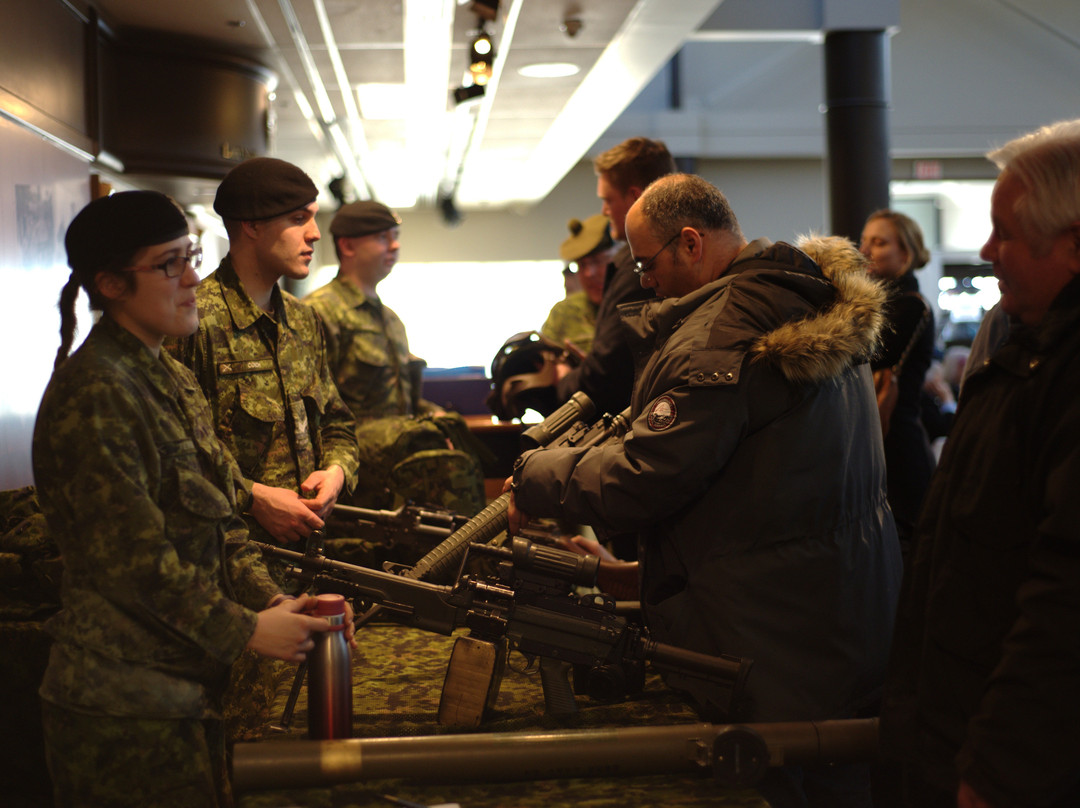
{"points": [[523, 376]]}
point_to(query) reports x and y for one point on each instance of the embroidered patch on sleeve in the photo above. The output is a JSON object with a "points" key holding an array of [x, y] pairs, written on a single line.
{"points": [[663, 414]]}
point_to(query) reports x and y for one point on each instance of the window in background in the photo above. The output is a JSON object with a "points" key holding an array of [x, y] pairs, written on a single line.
{"points": [[460, 314], [955, 219]]}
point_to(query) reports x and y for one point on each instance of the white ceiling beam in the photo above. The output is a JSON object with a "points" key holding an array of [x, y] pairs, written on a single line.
{"points": [[653, 32], [429, 30]]}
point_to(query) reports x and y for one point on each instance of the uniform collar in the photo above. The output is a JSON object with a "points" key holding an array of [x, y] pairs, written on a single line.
{"points": [[138, 356], [242, 308], [352, 294]]}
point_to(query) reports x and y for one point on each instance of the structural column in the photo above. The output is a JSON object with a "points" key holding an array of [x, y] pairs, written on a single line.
{"points": [[856, 127]]}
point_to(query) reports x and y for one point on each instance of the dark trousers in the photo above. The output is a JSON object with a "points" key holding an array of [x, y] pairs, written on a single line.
{"points": [[108, 762]]}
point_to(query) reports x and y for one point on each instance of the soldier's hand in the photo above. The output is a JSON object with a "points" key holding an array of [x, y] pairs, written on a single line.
{"points": [[284, 631], [350, 626], [283, 513], [326, 484]]}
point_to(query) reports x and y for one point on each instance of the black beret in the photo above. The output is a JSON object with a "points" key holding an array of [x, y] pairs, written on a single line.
{"points": [[363, 218], [115, 227], [262, 188]]}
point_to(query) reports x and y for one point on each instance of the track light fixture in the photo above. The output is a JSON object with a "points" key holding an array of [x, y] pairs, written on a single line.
{"points": [[481, 56], [463, 94]]}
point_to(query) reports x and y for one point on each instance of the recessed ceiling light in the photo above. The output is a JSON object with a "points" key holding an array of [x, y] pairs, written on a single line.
{"points": [[549, 70]]}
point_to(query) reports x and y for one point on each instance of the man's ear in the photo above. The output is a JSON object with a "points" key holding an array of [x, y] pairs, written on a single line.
{"points": [[345, 245], [694, 242], [635, 192], [250, 229], [111, 285]]}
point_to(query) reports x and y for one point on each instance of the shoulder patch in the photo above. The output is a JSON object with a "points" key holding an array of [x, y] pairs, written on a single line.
{"points": [[663, 414]]}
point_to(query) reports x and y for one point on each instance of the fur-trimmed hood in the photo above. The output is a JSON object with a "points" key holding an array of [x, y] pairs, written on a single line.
{"points": [[835, 315], [819, 347]]}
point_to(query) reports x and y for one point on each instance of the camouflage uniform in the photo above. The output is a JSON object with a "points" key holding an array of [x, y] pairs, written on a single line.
{"points": [[404, 448], [159, 585], [274, 402], [30, 570], [368, 349], [573, 318]]}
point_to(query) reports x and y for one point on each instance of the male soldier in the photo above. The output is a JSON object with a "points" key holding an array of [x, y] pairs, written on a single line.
{"points": [[260, 358], [753, 470], [606, 375], [982, 699], [380, 380], [589, 249]]}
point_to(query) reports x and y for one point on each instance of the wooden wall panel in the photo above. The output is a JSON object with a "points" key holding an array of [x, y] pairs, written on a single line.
{"points": [[43, 69]]}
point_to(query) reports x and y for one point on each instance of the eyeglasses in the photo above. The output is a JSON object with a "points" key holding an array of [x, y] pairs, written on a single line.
{"points": [[174, 267], [641, 267]]}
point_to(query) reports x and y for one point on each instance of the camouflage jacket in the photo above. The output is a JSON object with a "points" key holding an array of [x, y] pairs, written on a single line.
{"points": [[274, 402], [573, 318], [368, 350], [159, 585]]}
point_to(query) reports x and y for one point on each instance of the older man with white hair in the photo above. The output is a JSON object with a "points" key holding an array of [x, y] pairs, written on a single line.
{"points": [[982, 700]]}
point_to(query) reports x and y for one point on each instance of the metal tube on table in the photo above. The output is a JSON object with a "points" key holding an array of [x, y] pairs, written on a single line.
{"points": [[736, 754]]}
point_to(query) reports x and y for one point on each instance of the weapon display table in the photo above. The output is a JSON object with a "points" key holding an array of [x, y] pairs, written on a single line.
{"points": [[398, 677]]}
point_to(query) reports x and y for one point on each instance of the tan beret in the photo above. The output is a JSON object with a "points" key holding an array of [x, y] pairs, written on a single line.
{"points": [[586, 237]]}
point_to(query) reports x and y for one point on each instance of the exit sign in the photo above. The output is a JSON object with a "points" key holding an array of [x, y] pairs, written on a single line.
{"points": [[929, 170]]}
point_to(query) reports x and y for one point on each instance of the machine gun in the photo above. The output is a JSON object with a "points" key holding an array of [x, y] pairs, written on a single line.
{"points": [[410, 531], [434, 523], [404, 535], [529, 606], [568, 424], [438, 538], [564, 427]]}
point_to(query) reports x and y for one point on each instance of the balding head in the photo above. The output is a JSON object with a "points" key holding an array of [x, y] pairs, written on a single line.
{"points": [[683, 233], [681, 200]]}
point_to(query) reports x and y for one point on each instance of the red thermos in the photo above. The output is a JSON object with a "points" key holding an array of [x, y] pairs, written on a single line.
{"points": [[330, 675]]}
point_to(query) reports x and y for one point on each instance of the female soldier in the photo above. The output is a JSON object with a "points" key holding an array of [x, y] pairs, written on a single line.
{"points": [[161, 591], [894, 245]]}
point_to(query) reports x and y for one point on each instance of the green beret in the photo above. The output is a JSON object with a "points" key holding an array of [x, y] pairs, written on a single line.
{"points": [[115, 227], [262, 188], [362, 219], [586, 238]]}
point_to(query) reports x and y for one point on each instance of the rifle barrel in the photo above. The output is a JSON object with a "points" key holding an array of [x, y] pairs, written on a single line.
{"points": [[723, 668]]}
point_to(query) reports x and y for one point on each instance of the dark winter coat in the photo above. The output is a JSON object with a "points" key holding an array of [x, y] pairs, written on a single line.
{"points": [[983, 684], [755, 477]]}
